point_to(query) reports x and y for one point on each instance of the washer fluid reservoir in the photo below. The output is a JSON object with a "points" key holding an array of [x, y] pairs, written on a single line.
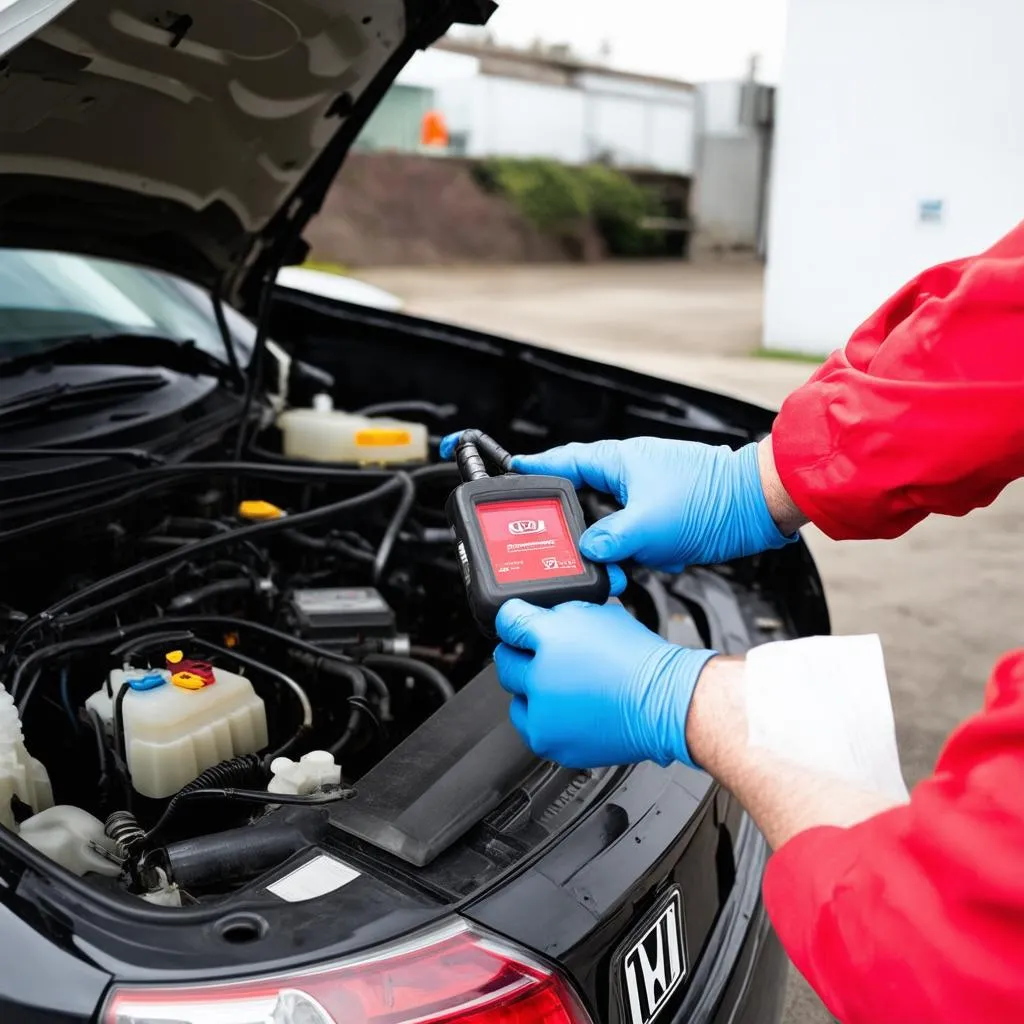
{"points": [[326, 434]]}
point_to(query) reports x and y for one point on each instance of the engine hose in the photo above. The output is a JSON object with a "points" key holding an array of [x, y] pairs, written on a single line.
{"points": [[398, 518], [418, 669], [352, 674], [249, 770], [218, 588], [236, 855], [171, 558], [407, 407]]}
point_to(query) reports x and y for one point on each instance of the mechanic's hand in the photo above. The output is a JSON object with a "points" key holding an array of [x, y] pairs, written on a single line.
{"points": [[616, 577], [593, 687], [683, 503]]}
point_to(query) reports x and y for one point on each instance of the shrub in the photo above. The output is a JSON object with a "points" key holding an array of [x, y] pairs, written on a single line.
{"points": [[559, 199]]}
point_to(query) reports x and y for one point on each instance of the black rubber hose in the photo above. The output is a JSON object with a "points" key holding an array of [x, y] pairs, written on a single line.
{"points": [[134, 455], [236, 855], [411, 667], [148, 480], [322, 544], [218, 588], [352, 674], [411, 406], [170, 558], [401, 513]]}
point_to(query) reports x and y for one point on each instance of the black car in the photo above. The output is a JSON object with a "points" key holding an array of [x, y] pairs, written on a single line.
{"points": [[157, 165]]}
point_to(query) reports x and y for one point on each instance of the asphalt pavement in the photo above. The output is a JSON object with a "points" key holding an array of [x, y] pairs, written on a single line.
{"points": [[946, 599]]}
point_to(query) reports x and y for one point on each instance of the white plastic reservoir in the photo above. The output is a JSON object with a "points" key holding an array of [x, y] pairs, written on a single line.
{"points": [[173, 732], [326, 434]]}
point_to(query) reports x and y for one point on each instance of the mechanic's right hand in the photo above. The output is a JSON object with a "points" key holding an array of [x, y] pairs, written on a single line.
{"points": [[684, 503]]}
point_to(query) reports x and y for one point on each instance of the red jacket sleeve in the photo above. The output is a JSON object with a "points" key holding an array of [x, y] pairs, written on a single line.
{"points": [[917, 916], [922, 412]]}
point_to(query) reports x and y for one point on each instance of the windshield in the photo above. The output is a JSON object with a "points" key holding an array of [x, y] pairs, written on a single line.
{"points": [[46, 297]]}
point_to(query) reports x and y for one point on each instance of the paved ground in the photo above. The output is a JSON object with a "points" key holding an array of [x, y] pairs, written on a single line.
{"points": [[946, 599]]}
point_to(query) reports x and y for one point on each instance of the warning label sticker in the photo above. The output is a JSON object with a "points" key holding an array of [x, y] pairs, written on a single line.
{"points": [[528, 540]]}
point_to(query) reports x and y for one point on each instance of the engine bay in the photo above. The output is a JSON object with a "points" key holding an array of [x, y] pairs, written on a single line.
{"points": [[210, 664], [191, 646]]}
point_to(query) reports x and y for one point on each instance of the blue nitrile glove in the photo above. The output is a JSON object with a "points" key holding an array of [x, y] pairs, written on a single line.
{"points": [[593, 687], [616, 577], [684, 503]]}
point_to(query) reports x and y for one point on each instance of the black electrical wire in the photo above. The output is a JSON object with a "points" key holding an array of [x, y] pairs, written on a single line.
{"points": [[101, 745], [411, 667], [305, 727], [135, 455], [321, 544], [401, 513], [125, 597], [473, 448], [54, 651], [156, 479], [120, 748], [409, 406], [170, 558]]}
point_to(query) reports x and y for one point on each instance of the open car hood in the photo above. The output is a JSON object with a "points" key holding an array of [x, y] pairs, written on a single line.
{"points": [[198, 138]]}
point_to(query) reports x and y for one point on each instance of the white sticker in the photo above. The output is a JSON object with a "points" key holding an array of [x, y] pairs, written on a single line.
{"points": [[316, 877]]}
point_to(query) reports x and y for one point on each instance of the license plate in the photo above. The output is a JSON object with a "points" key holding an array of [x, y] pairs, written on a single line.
{"points": [[653, 964]]}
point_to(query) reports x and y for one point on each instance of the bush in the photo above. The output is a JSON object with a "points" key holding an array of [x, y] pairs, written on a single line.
{"points": [[618, 206], [548, 193], [560, 199]]}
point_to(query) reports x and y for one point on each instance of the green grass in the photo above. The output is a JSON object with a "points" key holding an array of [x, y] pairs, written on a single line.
{"points": [[788, 355]]}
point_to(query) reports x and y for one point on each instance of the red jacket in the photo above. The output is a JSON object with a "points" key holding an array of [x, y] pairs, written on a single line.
{"points": [[917, 916]]}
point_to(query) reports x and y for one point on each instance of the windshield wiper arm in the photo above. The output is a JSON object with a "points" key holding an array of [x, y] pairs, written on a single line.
{"points": [[125, 349], [65, 397]]}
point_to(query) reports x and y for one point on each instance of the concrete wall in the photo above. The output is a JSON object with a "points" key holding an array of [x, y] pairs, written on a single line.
{"points": [[885, 110], [726, 194]]}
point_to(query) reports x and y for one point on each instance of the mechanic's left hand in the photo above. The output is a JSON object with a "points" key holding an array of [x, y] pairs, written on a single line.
{"points": [[594, 687]]}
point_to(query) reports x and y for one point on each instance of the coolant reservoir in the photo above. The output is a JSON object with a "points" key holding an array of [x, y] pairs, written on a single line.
{"points": [[326, 434], [178, 725], [21, 775]]}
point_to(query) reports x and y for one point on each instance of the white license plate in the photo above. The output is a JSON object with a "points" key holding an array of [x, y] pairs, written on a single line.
{"points": [[654, 966]]}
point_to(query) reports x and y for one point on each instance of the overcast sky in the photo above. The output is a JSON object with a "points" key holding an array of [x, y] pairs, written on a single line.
{"points": [[691, 39]]}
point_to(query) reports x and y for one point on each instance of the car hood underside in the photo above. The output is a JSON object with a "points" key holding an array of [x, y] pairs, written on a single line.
{"points": [[197, 138]]}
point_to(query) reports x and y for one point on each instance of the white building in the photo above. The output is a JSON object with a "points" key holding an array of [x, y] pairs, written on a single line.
{"points": [[899, 144], [502, 102]]}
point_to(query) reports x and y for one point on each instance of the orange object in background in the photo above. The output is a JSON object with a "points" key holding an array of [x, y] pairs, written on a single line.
{"points": [[434, 130]]}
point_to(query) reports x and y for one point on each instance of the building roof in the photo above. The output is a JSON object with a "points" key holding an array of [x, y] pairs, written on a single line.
{"points": [[552, 64]]}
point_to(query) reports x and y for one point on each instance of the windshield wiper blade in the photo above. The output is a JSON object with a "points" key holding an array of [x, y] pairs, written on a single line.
{"points": [[74, 398], [124, 349]]}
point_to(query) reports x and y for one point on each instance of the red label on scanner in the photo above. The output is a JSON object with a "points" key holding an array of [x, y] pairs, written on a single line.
{"points": [[528, 540]]}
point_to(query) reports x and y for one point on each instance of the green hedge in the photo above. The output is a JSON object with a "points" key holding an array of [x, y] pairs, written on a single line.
{"points": [[560, 199]]}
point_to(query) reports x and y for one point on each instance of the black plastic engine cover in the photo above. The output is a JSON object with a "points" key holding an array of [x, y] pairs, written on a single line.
{"points": [[433, 787]]}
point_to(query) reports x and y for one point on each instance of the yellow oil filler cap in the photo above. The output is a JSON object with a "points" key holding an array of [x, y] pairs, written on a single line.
{"points": [[258, 511]]}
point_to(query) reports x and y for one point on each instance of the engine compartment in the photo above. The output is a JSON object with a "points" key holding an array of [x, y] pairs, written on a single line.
{"points": [[323, 605], [215, 663]]}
